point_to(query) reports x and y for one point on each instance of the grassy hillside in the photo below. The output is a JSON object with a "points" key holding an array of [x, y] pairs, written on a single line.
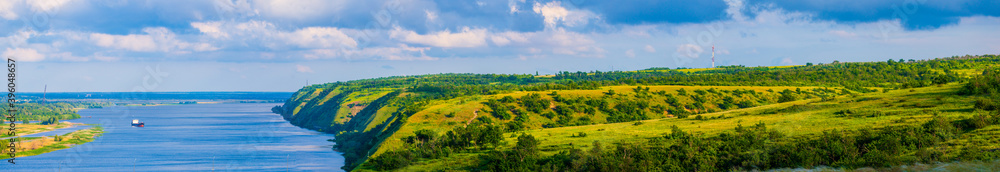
{"points": [[466, 121]]}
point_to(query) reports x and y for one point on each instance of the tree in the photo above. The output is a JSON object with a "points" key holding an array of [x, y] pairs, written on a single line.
{"points": [[425, 135], [941, 79], [526, 145], [786, 96], [491, 135]]}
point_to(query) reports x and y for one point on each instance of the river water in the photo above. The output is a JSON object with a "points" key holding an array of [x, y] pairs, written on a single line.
{"points": [[200, 137]]}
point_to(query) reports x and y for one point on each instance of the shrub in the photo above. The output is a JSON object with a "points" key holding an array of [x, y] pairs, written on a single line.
{"points": [[987, 104]]}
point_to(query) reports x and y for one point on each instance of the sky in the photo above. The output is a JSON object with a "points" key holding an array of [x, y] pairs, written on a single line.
{"points": [[277, 45]]}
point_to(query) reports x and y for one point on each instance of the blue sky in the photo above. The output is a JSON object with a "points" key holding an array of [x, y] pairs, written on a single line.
{"points": [[273, 45]]}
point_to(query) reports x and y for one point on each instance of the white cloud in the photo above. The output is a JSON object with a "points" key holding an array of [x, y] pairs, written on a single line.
{"points": [[431, 16], [735, 9], [303, 69], [445, 39], [553, 14], [630, 53], [319, 37], [298, 9], [649, 48], [211, 29], [266, 34], [127, 42], [7, 9], [513, 6], [689, 50], [18, 39], [24, 54], [504, 38], [156, 39], [49, 6], [499, 40]]}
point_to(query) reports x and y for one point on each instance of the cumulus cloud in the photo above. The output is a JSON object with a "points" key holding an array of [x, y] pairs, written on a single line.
{"points": [[445, 39], [504, 38], [156, 39], [554, 14], [319, 37], [298, 9], [429, 30], [46, 5], [7, 10], [735, 9], [24, 54], [212, 29], [268, 35]]}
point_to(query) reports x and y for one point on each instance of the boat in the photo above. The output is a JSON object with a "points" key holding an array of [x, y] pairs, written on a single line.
{"points": [[136, 123]]}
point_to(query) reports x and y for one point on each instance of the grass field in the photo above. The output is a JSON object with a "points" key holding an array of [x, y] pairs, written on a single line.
{"points": [[801, 118], [40, 145], [444, 115], [24, 129]]}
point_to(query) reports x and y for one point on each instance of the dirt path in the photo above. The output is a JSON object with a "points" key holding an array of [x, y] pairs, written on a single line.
{"points": [[475, 114]]}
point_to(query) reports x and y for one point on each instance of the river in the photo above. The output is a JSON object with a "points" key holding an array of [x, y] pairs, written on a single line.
{"points": [[200, 137]]}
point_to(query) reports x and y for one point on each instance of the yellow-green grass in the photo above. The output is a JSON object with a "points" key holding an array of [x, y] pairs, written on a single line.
{"points": [[434, 117], [812, 121], [41, 145], [381, 116], [25, 129], [328, 96], [903, 107], [360, 100], [305, 100]]}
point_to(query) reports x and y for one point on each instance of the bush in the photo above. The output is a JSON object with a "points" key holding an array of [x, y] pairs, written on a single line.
{"points": [[987, 104], [987, 83], [391, 160], [50, 121], [786, 96]]}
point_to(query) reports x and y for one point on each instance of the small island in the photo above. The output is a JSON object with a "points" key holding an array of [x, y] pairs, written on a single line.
{"points": [[40, 118]]}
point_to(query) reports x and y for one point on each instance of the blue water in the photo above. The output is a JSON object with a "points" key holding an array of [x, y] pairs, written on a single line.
{"points": [[201, 137]]}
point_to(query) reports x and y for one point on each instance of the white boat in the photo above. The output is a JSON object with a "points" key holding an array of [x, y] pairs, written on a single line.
{"points": [[136, 123]]}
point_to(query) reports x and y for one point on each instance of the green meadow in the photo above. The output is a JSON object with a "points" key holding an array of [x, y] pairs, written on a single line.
{"points": [[838, 116]]}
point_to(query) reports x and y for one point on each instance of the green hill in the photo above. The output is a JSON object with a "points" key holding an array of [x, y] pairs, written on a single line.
{"points": [[671, 119]]}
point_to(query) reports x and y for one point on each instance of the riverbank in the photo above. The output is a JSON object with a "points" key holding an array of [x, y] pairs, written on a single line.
{"points": [[30, 146], [32, 128]]}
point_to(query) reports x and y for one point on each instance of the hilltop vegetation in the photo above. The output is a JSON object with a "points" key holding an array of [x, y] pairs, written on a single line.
{"points": [[677, 120]]}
